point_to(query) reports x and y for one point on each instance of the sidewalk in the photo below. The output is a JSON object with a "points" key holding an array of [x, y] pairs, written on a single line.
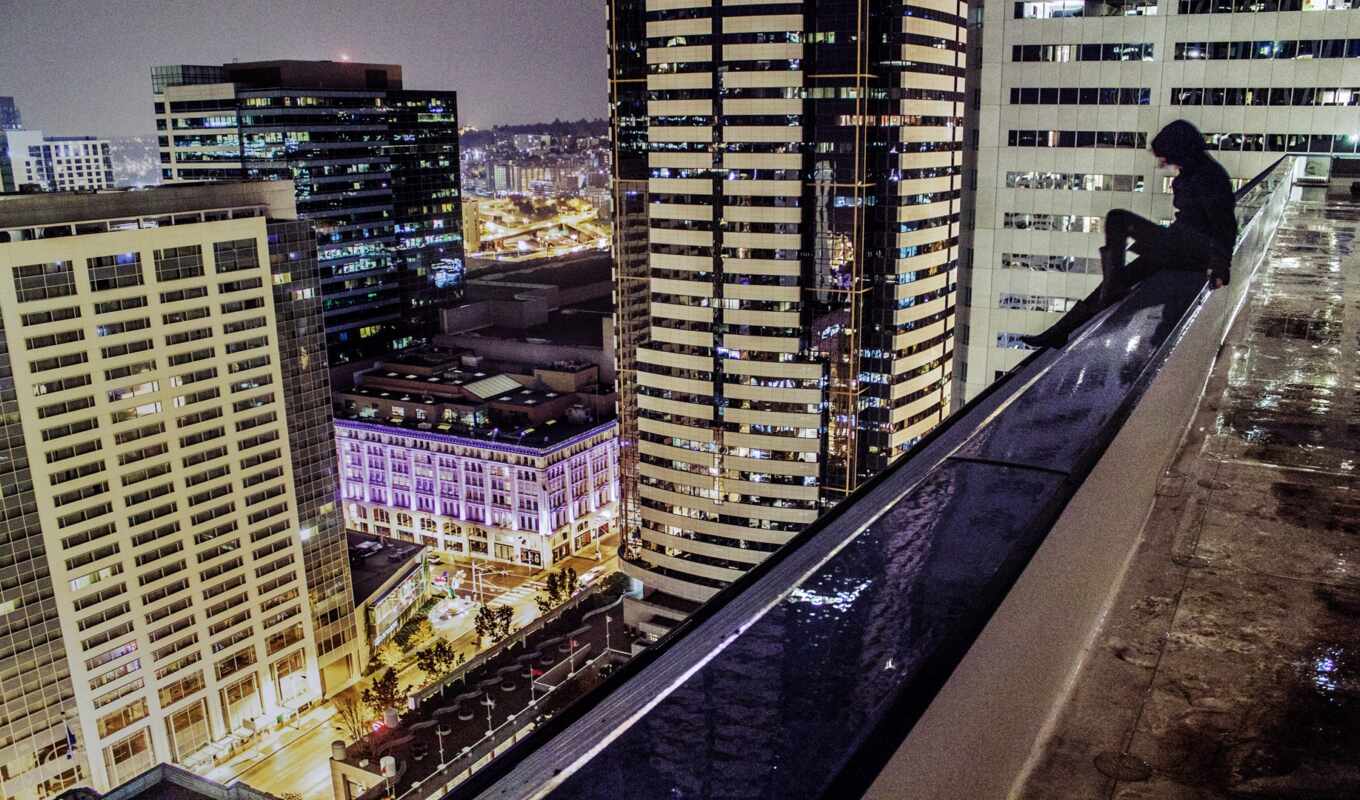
{"points": [[271, 743]]}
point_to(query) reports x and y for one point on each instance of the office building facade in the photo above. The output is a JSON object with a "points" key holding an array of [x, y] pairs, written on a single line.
{"points": [[1066, 96], [803, 190], [168, 496], [376, 169], [54, 163]]}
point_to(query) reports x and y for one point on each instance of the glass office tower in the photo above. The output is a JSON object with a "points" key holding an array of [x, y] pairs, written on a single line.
{"points": [[376, 170]]}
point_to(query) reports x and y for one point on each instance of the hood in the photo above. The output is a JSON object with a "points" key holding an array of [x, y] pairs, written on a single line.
{"points": [[1179, 143]]}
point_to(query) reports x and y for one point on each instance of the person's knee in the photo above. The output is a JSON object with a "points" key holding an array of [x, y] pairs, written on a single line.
{"points": [[1117, 216]]}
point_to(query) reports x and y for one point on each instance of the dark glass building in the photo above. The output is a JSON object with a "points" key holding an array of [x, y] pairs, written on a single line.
{"points": [[9, 115], [423, 127], [628, 132], [376, 171]]}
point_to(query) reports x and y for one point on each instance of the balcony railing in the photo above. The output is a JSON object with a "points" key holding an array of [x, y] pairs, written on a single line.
{"points": [[924, 628]]}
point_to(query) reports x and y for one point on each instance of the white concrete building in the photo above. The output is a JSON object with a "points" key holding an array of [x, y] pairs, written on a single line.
{"points": [[54, 163], [1066, 95], [163, 485]]}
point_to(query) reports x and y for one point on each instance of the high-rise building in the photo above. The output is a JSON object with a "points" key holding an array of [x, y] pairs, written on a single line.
{"points": [[177, 569], [628, 137], [54, 163], [803, 184], [1067, 95], [376, 170], [10, 120]]}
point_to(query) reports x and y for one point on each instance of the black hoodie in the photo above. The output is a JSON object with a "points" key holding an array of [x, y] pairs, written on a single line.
{"points": [[1202, 192]]}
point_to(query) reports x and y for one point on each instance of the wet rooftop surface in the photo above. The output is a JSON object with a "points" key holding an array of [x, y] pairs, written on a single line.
{"points": [[1230, 664]]}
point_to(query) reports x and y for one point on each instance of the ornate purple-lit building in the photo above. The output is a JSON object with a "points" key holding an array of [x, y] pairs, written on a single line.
{"points": [[514, 468]]}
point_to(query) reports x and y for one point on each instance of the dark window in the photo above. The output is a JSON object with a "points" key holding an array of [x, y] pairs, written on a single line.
{"points": [[115, 272], [176, 263], [44, 281], [235, 255]]}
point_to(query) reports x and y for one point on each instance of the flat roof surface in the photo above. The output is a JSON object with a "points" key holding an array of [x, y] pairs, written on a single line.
{"points": [[539, 437], [1227, 666], [55, 208], [579, 325], [369, 572], [569, 272]]}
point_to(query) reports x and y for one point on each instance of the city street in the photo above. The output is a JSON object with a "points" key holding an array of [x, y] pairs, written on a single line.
{"points": [[552, 655], [298, 762]]}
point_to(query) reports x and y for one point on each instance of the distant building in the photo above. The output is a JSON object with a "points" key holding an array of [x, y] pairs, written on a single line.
{"points": [[517, 464], [500, 178], [177, 556], [10, 120], [602, 199], [54, 163], [472, 227], [532, 142], [542, 313], [376, 168]]}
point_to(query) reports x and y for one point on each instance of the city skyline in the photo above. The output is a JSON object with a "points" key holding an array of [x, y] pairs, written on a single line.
{"points": [[543, 400], [106, 53]]}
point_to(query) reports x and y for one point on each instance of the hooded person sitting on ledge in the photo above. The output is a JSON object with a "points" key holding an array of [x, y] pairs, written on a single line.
{"points": [[1202, 236]]}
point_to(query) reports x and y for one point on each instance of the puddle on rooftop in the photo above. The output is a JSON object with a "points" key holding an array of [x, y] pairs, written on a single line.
{"points": [[1328, 508]]}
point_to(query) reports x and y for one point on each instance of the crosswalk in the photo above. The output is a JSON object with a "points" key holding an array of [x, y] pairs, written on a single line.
{"points": [[525, 591]]}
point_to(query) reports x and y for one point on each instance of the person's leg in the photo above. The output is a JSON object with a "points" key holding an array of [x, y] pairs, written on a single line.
{"points": [[1076, 316], [1147, 236], [1154, 245]]}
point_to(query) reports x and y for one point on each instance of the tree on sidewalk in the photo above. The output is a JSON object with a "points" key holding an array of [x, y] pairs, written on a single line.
{"points": [[352, 716], [561, 586], [415, 636], [439, 660], [493, 622], [389, 654], [385, 693]]}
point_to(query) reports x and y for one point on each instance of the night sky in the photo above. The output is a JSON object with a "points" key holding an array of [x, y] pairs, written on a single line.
{"points": [[83, 66]]}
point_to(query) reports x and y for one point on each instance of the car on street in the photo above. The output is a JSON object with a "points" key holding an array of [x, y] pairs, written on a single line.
{"points": [[590, 576]]}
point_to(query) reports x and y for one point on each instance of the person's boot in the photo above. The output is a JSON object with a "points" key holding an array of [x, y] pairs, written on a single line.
{"points": [[1053, 337], [1112, 284], [1057, 334]]}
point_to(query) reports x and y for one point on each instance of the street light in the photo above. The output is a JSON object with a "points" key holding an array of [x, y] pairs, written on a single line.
{"points": [[490, 704], [441, 733]]}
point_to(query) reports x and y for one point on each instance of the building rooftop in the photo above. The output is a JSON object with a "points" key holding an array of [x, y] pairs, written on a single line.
{"points": [[484, 404], [580, 325], [152, 207], [566, 273], [169, 782], [1230, 663], [374, 560], [529, 438]]}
